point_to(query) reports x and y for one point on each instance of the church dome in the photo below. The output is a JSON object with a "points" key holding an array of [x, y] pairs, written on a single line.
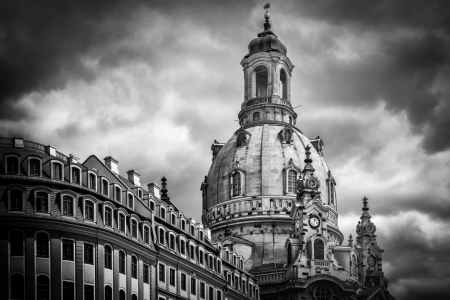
{"points": [[266, 42], [264, 158]]}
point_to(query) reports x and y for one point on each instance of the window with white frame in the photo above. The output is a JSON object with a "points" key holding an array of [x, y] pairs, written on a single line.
{"points": [[291, 181], [152, 205], [161, 235], [201, 236], [182, 247], [12, 165], [88, 254], [172, 241], [122, 262], [42, 244], [118, 193], [145, 273], [162, 214], [183, 282], [134, 228], [108, 255], [57, 171], [193, 230], [75, 175], [172, 219], [34, 167], [108, 216], [92, 181], [130, 201], [193, 286], [89, 210], [105, 189], [202, 290], [172, 277], [200, 256], [183, 224], [122, 222], [161, 272], [236, 184], [134, 267], [146, 234], [68, 205], [192, 251], [67, 249]]}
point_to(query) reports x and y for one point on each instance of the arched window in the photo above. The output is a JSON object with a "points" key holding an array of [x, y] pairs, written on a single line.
{"points": [[122, 295], [236, 184], [75, 175], [130, 201], [16, 243], [41, 202], [134, 268], [256, 116], [57, 171], [292, 177], [42, 244], [105, 188], [108, 257], [287, 136], [241, 140], [15, 200], [161, 236], [67, 206], [134, 228], [283, 84], [122, 222], [35, 167], [43, 288], [89, 210], [322, 292], [12, 165], [332, 192], [354, 266], [108, 216], [319, 249], [260, 82], [108, 293], [146, 235], [122, 262], [92, 181], [134, 297], [17, 286], [117, 194]]}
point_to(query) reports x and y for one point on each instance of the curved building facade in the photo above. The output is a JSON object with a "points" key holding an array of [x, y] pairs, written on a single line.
{"points": [[270, 195], [72, 230]]}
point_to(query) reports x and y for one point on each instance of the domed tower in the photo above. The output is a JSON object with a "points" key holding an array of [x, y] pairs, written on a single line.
{"points": [[251, 187]]}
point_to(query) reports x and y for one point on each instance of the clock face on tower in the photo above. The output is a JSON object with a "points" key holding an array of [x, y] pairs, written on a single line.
{"points": [[314, 222], [312, 183], [371, 261]]}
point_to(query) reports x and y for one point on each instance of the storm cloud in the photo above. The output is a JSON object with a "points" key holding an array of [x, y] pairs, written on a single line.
{"points": [[153, 83]]}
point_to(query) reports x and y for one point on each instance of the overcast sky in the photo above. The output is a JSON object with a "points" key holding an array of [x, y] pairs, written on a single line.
{"points": [[153, 83]]}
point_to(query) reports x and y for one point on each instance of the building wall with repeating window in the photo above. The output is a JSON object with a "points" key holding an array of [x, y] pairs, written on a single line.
{"points": [[74, 230]]}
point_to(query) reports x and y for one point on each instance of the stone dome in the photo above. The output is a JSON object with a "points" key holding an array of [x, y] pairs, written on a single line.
{"points": [[263, 159], [266, 41]]}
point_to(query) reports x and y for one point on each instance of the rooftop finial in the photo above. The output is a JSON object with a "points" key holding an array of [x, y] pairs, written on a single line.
{"points": [[308, 160], [267, 16], [350, 241], [365, 201]]}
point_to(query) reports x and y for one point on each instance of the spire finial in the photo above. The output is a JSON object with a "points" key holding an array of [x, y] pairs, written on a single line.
{"points": [[350, 241], [164, 189], [308, 160], [267, 17], [365, 201]]}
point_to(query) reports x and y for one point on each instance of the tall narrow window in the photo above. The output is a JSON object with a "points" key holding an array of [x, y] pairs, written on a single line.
{"points": [[67, 250], [88, 292], [108, 293], [75, 175], [35, 167], [183, 282], [192, 252], [211, 293], [237, 184], [161, 236], [134, 268], [88, 254], [202, 290], [92, 181], [16, 243], [122, 222], [122, 262], [287, 136], [41, 202], [122, 295], [162, 273], [163, 213], [134, 228], [283, 85], [145, 274], [172, 277], [290, 120], [292, 176], [260, 82], [15, 201], [42, 288], [68, 290], [183, 225], [134, 297], [130, 201], [219, 267], [172, 219], [105, 189], [256, 116], [108, 257], [108, 216], [201, 236], [354, 266], [193, 286], [67, 206], [219, 295], [42, 244], [117, 196], [241, 140], [12, 165], [319, 250], [146, 235], [192, 230], [200, 257], [17, 286], [332, 193], [172, 242], [182, 247], [89, 210], [57, 174]]}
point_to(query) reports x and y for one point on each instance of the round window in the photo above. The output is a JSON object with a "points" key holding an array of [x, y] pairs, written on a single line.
{"points": [[322, 292]]}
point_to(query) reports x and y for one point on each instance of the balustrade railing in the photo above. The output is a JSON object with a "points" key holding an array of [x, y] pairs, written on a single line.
{"points": [[276, 276], [267, 99], [62, 156], [5, 141], [34, 145], [321, 263]]}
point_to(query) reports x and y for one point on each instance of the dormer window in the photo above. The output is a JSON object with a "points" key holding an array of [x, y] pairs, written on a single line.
{"points": [[192, 230], [89, 210], [35, 167], [182, 247], [146, 234], [201, 236], [152, 205], [163, 213], [161, 236], [12, 165], [117, 194], [56, 171], [287, 135], [122, 223], [108, 216], [105, 185], [75, 175], [68, 204], [183, 225], [42, 202], [172, 242], [192, 251], [200, 257], [130, 201], [172, 219], [140, 194], [92, 181], [15, 200], [256, 116], [236, 184], [134, 228], [219, 267]]}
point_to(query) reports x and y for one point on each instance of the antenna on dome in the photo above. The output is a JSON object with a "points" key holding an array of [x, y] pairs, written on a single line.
{"points": [[267, 16]]}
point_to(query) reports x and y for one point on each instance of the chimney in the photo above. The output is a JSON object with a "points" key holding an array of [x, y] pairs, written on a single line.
{"points": [[50, 150], [112, 164], [154, 188], [18, 142], [134, 177]]}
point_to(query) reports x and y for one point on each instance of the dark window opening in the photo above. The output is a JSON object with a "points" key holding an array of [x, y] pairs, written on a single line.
{"points": [[88, 254], [42, 245], [57, 174], [68, 290], [12, 165], [35, 167], [68, 250], [237, 184], [41, 202], [134, 268], [16, 243], [15, 202], [17, 286], [108, 257], [42, 288], [67, 206]]}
